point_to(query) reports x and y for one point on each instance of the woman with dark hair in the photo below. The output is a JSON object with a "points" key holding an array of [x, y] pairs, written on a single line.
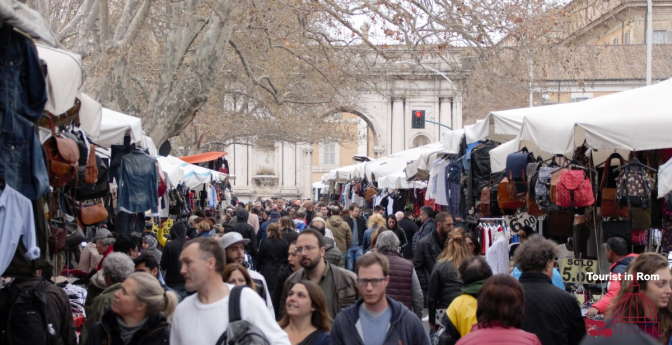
{"points": [[272, 256], [644, 298], [444, 282], [393, 225], [288, 230], [237, 275], [306, 319], [500, 313]]}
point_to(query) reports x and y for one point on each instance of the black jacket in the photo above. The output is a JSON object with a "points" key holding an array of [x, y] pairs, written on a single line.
{"points": [[361, 227], [410, 228], [155, 331], [428, 227], [405, 327], [272, 256], [444, 285], [424, 258], [550, 313], [170, 260], [247, 231]]}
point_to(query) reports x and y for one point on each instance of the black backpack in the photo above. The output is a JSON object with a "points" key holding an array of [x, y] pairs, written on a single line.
{"points": [[240, 332], [23, 316]]}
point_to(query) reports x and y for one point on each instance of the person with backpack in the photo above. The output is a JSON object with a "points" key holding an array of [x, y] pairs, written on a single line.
{"points": [[214, 311], [33, 310], [137, 315]]}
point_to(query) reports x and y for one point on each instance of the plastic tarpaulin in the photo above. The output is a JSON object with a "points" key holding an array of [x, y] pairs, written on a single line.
{"points": [[203, 157], [113, 128], [64, 78], [665, 179]]}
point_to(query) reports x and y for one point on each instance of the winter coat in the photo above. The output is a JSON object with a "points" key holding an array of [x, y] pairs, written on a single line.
{"points": [[550, 313], [57, 311], [462, 310], [619, 267], [424, 258], [341, 231], [247, 231], [405, 327], [170, 259], [499, 336], [272, 256], [404, 286], [155, 331], [99, 307], [361, 227], [427, 228], [410, 229], [444, 286]]}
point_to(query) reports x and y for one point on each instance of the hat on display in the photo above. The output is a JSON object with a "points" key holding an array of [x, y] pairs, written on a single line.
{"points": [[231, 238]]}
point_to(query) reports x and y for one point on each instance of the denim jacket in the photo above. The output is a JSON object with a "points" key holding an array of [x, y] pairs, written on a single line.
{"points": [[137, 181], [23, 95]]}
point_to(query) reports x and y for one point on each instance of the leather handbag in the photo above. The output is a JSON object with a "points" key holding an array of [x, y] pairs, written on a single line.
{"points": [[574, 190], [57, 236], [62, 156], [555, 180], [609, 205], [559, 224], [91, 169], [507, 197], [93, 214]]}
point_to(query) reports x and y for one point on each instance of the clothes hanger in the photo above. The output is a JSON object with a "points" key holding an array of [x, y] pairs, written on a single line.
{"points": [[635, 161]]}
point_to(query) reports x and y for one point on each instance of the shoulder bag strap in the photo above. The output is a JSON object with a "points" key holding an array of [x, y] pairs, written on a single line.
{"points": [[234, 304]]}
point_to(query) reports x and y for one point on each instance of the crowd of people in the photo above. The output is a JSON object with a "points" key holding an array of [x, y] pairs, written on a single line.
{"points": [[316, 274]]}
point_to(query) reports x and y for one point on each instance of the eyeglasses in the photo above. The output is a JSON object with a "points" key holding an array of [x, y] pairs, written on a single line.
{"points": [[364, 282], [300, 250]]}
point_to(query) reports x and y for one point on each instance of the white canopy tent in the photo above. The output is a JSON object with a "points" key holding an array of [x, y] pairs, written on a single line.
{"points": [[665, 179], [114, 126], [191, 175], [64, 78]]}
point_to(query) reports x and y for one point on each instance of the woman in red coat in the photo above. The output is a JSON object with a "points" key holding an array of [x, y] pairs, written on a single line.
{"points": [[500, 313]]}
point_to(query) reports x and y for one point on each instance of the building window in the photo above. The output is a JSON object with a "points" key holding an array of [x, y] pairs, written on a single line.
{"points": [[626, 38], [328, 153], [662, 37], [615, 41]]}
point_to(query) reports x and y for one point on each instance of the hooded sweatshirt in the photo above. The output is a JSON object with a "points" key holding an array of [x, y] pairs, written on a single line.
{"points": [[462, 311], [341, 231]]}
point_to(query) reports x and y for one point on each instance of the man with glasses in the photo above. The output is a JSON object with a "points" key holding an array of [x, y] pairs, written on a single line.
{"points": [[338, 284], [385, 320]]}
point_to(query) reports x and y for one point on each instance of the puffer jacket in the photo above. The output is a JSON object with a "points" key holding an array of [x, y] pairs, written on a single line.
{"points": [[341, 231], [405, 327], [444, 285], [155, 331], [619, 267]]}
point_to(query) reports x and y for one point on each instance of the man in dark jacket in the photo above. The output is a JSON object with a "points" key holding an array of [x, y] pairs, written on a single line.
{"points": [[247, 231], [338, 284], [385, 320], [410, 229], [428, 226], [33, 278], [429, 247], [550, 313], [170, 260], [357, 224]]}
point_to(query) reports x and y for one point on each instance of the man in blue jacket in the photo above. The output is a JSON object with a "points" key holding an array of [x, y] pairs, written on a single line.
{"points": [[386, 321]]}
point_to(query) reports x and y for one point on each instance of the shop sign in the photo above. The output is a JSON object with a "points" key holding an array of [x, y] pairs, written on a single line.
{"points": [[579, 271]]}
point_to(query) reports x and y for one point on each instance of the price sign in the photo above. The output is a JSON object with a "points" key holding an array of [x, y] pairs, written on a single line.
{"points": [[519, 220], [579, 271]]}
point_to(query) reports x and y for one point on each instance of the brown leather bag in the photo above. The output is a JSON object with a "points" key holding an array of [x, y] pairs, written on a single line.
{"points": [[91, 170], [62, 155], [484, 205], [507, 197], [93, 214]]}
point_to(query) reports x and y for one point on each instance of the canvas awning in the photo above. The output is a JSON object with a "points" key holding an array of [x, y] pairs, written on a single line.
{"points": [[203, 157], [114, 126], [64, 78]]}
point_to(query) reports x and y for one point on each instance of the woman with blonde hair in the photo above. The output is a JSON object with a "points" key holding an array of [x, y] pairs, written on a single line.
{"points": [[375, 224], [305, 318], [445, 283], [139, 314]]}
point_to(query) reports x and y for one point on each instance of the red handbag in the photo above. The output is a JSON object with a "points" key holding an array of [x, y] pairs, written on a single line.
{"points": [[574, 190]]}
